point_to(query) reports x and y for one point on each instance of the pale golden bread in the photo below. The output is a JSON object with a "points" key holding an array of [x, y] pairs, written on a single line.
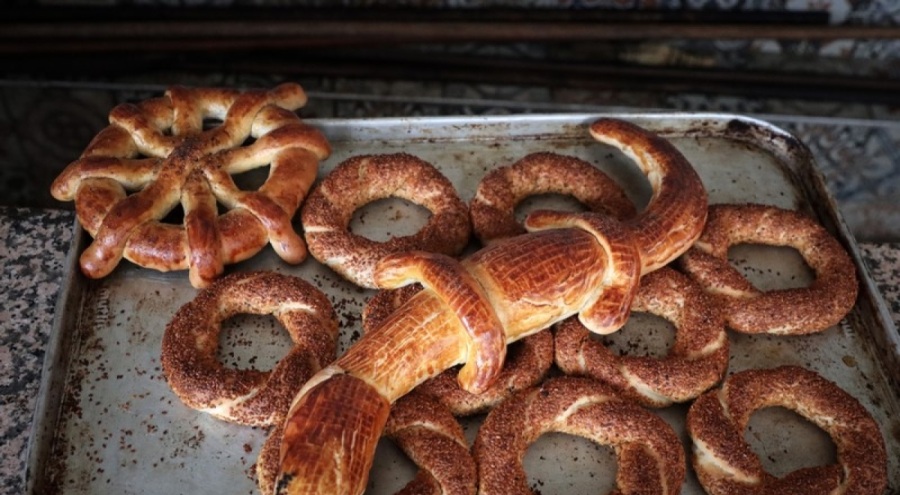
{"points": [[156, 156]]}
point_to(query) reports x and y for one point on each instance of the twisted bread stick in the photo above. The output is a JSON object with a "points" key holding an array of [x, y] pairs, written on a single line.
{"points": [[568, 264]]}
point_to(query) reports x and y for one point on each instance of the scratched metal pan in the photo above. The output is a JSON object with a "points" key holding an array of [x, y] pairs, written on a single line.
{"points": [[108, 423]]}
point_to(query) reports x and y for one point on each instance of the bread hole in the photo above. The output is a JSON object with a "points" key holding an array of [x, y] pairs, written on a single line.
{"points": [[771, 267], [559, 463], [386, 218], [786, 441], [211, 123], [254, 342], [627, 174], [391, 469], [549, 201], [644, 334], [251, 180], [175, 216]]}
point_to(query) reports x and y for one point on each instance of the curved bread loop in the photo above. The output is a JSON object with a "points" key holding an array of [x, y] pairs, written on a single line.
{"points": [[362, 179], [466, 299], [493, 208], [425, 431], [250, 397], [725, 463], [431, 437], [527, 361], [787, 311], [156, 156], [697, 360], [650, 455], [609, 310], [676, 213]]}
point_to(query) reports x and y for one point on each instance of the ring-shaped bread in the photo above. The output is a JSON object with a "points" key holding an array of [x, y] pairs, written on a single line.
{"points": [[362, 179], [157, 155], [493, 208], [650, 456], [425, 431], [697, 360], [787, 311], [527, 361], [247, 396], [725, 463]]}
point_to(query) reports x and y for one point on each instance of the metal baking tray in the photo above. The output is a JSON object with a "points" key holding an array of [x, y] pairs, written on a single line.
{"points": [[107, 422]]}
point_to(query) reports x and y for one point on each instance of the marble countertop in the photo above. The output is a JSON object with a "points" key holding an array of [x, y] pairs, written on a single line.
{"points": [[33, 262]]}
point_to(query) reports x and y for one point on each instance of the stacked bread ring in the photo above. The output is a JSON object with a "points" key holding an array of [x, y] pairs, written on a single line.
{"points": [[250, 397], [500, 190], [361, 179], [475, 307], [787, 311], [651, 458], [696, 362], [725, 463]]}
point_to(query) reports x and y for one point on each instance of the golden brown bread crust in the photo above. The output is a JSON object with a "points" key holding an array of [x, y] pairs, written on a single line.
{"points": [[493, 208], [249, 397], [462, 295], [572, 264], [789, 311], [650, 456], [725, 463], [697, 360], [425, 431], [527, 361], [362, 179], [675, 215], [155, 156], [608, 310], [330, 437]]}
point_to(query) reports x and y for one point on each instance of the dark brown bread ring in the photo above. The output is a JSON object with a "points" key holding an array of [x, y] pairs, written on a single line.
{"points": [[697, 360], [425, 431], [725, 464], [431, 437], [789, 311], [362, 179], [527, 361], [650, 456], [249, 397], [493, 208], [122, 198]]}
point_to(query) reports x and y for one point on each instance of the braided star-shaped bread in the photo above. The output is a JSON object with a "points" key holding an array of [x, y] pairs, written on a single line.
{"points": [[156, 154]]}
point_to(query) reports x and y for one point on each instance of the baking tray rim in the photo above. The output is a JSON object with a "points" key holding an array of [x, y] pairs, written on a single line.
{"points": [[75, 285]]}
